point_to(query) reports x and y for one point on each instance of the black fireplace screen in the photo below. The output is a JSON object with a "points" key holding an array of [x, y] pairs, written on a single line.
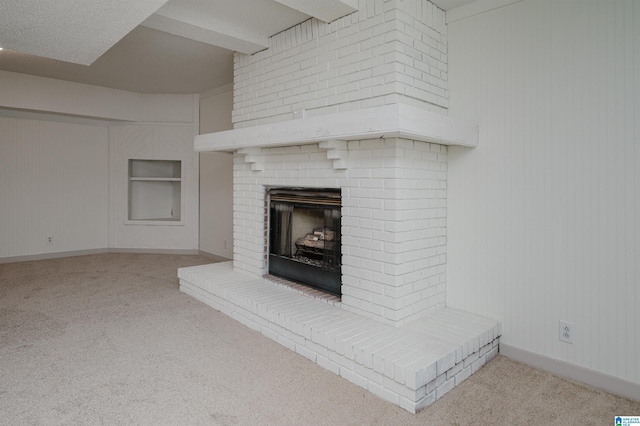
{"points": [[304, 237]]}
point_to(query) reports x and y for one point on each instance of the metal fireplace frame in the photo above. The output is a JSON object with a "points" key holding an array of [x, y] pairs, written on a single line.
{"points": [[328, 276]]}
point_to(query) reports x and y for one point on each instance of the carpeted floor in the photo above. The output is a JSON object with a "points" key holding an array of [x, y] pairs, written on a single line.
{"points": [[110, 340]]}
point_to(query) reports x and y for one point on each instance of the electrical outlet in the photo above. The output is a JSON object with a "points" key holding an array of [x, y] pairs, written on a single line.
{"points": [[49, 240], [566, 332], [226, 245]]}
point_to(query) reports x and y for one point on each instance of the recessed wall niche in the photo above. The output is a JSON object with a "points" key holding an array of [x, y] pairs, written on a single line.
{"points": [[155, 190]]}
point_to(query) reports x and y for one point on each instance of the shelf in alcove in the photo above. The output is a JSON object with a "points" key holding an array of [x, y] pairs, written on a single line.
{"points": [[155, 192], [148, 179], [155, 222]]}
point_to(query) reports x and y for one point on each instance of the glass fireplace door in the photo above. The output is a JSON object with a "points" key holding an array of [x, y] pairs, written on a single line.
{"points": [[304, 238]]}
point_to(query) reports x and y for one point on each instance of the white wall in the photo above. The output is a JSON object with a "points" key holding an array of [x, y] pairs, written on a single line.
{"points": [[63, 169], [28, 92], [543, 215], [54, 181], [216, 177], [154, 142]]}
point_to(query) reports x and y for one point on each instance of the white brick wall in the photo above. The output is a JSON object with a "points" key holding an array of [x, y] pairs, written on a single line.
{"points": [[393, 219], [390, 51]]}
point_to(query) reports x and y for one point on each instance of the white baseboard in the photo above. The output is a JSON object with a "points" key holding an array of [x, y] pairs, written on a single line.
{"points": [[61, 254], [590, 377], [154, 251], [214, 257], [56, 255]]}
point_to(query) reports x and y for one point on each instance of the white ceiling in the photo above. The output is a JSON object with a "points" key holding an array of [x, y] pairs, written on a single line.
{"points": [[149, 46]]}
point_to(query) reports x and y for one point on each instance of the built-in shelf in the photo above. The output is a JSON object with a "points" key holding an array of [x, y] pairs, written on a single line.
{"points": [[141, 179], [155, 191]]}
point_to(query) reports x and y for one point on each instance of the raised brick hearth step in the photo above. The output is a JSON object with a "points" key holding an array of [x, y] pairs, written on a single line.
{"points": [[411, 366]]}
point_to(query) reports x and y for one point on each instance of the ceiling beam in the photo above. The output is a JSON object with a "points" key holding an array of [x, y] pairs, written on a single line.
{"points": [[326, 10], [217, 33]]}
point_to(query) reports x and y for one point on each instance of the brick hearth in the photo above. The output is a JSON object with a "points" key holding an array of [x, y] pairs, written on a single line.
{"points": [[411, 366]]}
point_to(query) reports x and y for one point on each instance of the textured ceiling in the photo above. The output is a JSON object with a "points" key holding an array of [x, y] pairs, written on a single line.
{"points": [[78, 31], [149, 46], [144, 61]]}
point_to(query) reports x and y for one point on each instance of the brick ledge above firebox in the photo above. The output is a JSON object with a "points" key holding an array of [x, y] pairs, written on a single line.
{"points": [[410, 366], [387, 121]]}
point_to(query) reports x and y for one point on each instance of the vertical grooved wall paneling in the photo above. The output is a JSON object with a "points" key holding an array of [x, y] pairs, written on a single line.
{"points": [[53, 182], [543, 215]]}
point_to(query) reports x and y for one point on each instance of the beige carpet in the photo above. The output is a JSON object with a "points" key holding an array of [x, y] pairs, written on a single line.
{"points": [[110, 340]]}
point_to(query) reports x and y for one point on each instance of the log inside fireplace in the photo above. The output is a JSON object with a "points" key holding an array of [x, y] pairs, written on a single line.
{"points": [[305, 236]]}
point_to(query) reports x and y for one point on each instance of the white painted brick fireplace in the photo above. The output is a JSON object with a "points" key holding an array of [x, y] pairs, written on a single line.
{"points": [[393, 219], [358, 104]]}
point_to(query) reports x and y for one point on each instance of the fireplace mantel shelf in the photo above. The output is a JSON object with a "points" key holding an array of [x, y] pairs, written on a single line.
{"points": [[388, 121]]}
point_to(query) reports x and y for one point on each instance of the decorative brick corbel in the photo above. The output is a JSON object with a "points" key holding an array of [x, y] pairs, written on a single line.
{"points": [[336, 151], [252, 156]]}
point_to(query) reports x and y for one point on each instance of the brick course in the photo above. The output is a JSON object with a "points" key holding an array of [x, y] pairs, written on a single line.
{"points": [[393, 228], [391, 51]]}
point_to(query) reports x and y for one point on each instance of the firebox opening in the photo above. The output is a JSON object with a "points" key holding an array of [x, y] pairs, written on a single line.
{"points": [[304, 236]]}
